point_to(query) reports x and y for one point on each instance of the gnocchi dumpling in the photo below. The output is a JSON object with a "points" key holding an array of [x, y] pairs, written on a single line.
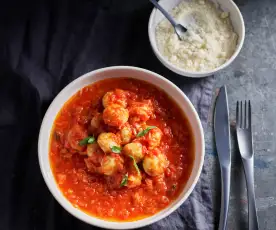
{"points": [[96, 121], [75, 135], [134, 180], [93, 149], [111, 165], [107, 140], [154, 137], [141, 110], [155, 164], [115, 115], [125, 134], [117, 96], [135, 150]]}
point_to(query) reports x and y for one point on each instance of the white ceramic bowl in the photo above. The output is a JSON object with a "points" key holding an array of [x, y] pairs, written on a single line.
{"points": [[115, 72], [226, 5]]}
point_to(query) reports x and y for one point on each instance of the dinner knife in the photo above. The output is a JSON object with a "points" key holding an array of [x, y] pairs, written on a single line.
{"points": [[222, 139]]}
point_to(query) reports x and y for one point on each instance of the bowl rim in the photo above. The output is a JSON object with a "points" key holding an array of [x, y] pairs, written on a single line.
{"points": [[95, 221], [195, 74]]}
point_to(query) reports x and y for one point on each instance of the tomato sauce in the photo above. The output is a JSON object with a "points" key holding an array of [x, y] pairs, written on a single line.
{"points": [[90, 192]]}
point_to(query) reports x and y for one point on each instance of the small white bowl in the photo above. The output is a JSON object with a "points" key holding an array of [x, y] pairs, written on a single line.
{"points": [[226, 5], [117, 72]]}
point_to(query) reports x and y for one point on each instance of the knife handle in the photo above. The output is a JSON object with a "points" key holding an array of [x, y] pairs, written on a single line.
{"points": [[225, 187]]}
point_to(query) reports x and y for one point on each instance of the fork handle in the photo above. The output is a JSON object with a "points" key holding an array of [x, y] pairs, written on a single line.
{"points": [[225, 187], [248, 165]]}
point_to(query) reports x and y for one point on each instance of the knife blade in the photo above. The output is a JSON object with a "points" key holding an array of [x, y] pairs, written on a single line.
{"points": [[222, 140]]}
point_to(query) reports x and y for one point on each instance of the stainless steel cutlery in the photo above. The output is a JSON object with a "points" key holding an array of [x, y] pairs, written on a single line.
{"points": [[222, 137], [245, 144]]}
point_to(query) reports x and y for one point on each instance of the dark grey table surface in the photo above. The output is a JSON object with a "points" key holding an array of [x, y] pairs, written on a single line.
{"points": [[252, 76]]}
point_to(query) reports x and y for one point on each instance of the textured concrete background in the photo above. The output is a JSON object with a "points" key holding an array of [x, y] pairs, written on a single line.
{"points": [[252, 76]]}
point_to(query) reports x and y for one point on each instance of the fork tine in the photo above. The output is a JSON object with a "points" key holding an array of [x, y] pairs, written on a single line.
{"points": [[249, 114], [237, 115], [241, 117], [245, 114]]}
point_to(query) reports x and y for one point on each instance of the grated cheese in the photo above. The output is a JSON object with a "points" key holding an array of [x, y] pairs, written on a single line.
{"points": [[209, 42]]}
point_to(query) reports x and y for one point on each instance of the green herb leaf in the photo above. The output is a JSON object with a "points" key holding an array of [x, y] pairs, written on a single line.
{"points": [[116, 149], [135, 165], [173, 186], [124, 180], [91, 140], [87, 140], [145, 131]]}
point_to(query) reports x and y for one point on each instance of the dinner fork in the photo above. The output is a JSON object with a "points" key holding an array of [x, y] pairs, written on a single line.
{"points": [[245, 143]]}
